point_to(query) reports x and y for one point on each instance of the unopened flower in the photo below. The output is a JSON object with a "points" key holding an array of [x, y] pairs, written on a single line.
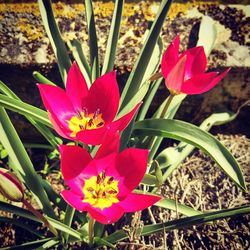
{"points": [[103, 186], [185, 72], [85, 114], [10, 186]]}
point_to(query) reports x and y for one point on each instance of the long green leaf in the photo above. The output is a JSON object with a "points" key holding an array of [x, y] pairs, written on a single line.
{"points": [[77, 52], [28, 246], [172, 157], [136, 76], [26, 214], [171, 205], [55, 38], [42, 79], [182, 223], [93, 46], [193, 135], [109, 59], [22, 163], [29, 228], [40, 127], [25, 109]]}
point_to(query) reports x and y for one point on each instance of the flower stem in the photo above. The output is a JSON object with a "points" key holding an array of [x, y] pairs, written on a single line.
{"points": [[40, 216], [165, 109], [91, 230]]}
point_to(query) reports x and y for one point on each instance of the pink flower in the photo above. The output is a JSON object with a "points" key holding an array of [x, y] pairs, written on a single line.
{"points": [[85, 114], [185, 72], [103, 186]]}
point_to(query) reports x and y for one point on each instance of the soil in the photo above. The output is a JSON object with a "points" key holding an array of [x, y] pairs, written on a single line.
{"points": [[199, 183]]}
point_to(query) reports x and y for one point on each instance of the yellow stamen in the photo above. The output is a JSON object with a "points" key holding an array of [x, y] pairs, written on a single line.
{"points": [[84, 121], [101, 191]]}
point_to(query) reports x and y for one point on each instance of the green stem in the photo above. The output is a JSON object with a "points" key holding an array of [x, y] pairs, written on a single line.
{"points": [[91, 230], [40, 216], [165, 109]]}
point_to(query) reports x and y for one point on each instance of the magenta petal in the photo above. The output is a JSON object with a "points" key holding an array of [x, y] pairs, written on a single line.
{"points": [[56, 102], [104, 95], [170, 57], [74, 200], [109, 146], [216, 80], [107, 215], [198, 84], [76, 87], [93, 136], [122, 123], [74, 160], [175, 77], [137, 202], [60, 128], [196, 62], [131, 165]]}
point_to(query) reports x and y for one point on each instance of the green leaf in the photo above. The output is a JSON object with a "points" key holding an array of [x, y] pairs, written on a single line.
{"points": [[25, 109], [29, 228], [42, 79], [149, 180], [136, 76], [172, 205], [101, 242], [93, 46], [109, 59], [193, 135], [40, 127], [182, 223], [29, 245], [171, 157], [77, 52], [22, 164], [55, 38], [49, 244], [28, 215], [69, 214], [148, 100]]}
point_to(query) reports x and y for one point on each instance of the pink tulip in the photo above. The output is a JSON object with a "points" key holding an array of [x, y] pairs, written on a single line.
{"points": [[85, 114], [185, 72], [103, 186]]}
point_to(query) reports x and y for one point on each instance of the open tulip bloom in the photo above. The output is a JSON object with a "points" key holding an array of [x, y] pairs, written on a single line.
{"points": [[103, 186], [83, 114], [185, 72]]}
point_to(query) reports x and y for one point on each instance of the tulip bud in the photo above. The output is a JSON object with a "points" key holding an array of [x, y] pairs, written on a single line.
{"points": [[10, 186]]}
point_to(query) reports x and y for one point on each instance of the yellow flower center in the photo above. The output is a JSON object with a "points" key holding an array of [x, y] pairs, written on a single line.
{"points": [[101, 191], [83, 121]]}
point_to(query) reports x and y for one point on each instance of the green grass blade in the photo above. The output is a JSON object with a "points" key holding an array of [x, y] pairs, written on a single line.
{"points": [[25, 109], [136, 76], [109, 59], [55, 38], [22, 163], [182, 223], [77, 52], [195, 136], [93, 46], [69, 214]]}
